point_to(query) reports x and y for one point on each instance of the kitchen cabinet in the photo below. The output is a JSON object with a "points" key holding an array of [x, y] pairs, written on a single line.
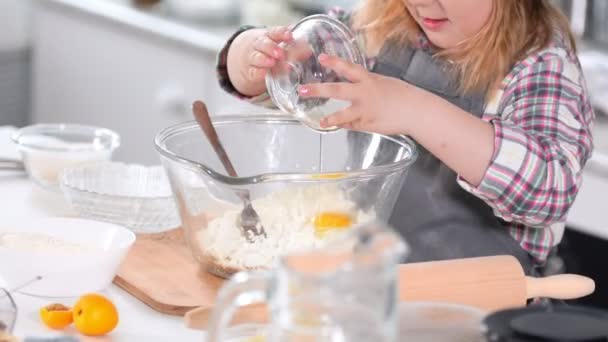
{"points": [[103, 63]]}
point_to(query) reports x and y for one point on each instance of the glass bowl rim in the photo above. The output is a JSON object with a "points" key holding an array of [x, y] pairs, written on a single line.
{"points": [[93, 131], [65, 186], [323, 177]]}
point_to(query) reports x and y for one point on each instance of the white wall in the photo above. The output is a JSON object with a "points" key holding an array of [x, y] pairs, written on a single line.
{"points": [[14, 16]]}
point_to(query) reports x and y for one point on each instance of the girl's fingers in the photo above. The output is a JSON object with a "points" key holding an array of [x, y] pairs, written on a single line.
{"points": [[329, 90], [261, 60], [268, 47], [350, 71], [346, 118], [349, 126], [354, 125], [280, 34], [299, 50], [256, 74]]}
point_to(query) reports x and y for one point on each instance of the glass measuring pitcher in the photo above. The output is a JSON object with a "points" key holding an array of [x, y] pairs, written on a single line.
{"points": [[345, 291]]}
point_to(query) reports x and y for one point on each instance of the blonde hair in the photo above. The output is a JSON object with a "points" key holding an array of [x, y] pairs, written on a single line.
{"points": [[515, 29]]}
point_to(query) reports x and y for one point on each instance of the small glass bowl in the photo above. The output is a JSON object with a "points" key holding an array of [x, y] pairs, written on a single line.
{"points": [[134, 196], [312, 36], [47, 149]]}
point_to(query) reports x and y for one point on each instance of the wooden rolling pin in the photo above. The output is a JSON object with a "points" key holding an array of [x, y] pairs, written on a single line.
{"points": [[488, 283]]}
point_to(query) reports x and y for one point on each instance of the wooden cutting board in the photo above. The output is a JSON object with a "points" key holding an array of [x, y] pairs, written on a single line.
{"points": [[161, 272]]}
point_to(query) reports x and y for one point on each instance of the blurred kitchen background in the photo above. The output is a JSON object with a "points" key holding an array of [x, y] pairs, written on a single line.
{"points": [[136, 65]]}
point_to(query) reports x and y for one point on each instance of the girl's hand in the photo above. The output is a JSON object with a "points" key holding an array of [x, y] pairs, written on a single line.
{"points": [[250, 56], [388, 105], [379, 104]]}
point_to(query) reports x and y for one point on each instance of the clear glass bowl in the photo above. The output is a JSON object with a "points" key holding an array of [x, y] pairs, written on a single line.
{"points": [[134, 196], [47, 149], [293, 174], [312, 36]]}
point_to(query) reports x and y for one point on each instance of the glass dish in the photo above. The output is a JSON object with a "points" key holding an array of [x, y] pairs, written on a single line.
{"points": [[294, 175], [47, 149], [134, 196], [312, 36]]}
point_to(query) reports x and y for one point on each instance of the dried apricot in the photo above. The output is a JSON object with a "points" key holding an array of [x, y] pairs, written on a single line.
{"points": [[56, 316]]}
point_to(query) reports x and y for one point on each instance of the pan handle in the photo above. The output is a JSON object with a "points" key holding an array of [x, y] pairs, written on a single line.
{"points": [[562, 286]]}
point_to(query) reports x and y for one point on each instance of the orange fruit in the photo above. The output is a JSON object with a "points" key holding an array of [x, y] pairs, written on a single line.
{"points": [[56, 316], [95, 315]]}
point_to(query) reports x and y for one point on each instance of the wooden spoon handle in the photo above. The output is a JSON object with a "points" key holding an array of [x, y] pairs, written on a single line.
{"points": [[199, 109], [562, 286]]}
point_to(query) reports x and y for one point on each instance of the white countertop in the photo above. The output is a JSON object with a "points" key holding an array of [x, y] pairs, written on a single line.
{"points": [[137, 321]]}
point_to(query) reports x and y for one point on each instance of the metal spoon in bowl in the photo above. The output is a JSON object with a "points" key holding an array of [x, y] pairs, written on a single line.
{"points": [[249, 219]]}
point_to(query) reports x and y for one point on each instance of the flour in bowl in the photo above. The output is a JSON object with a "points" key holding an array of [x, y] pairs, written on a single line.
{"points": [[288, 217], [37, 242]]}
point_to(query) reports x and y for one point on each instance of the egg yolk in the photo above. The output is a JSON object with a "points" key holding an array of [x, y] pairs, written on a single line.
{"points": [[329, 176], [329, 221]]}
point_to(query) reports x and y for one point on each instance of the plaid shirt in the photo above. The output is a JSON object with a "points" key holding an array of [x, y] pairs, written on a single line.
{"points": [[542, 121]]}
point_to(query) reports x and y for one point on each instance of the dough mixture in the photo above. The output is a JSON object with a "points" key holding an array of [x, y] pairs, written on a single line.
{"points": [[291, 220]]}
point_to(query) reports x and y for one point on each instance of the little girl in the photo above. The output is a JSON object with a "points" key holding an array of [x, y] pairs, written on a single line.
{"points": [[493, 93]]}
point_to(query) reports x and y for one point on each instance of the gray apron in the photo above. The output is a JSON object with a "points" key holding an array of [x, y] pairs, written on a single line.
{"points": [[439, 219]]}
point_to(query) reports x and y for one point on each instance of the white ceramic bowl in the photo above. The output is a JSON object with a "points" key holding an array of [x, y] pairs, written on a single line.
{"points": [[84, 257], [135, 196]]}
